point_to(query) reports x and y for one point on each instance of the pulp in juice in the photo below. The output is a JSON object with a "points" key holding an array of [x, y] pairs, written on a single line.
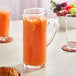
{"points": [[34, 40]]}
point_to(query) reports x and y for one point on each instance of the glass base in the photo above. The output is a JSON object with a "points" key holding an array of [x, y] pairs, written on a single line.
{"points": [[71, 45], [65, 48], [34, 67], [5, 39]]}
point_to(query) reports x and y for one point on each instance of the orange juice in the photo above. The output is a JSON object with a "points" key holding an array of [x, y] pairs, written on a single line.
{"points": [[4, 23], [34, 40]]}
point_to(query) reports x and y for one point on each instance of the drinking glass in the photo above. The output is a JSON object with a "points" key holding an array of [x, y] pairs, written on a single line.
{"points": [[70, 33], [34, 37], [4, 25]]}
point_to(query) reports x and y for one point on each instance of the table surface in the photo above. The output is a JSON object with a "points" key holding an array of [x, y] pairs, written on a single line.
{"points": [[59, 62]]}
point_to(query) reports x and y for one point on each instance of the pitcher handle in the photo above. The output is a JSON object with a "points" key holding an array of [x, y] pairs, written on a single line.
{"points": [[52, 29]]}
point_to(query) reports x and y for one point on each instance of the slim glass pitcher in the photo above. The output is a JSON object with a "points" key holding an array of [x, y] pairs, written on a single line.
{"points": [[34, 37]]}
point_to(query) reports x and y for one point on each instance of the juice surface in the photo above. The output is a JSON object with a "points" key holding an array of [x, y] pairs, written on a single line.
{"points": [[34, 40], [4, 23]]}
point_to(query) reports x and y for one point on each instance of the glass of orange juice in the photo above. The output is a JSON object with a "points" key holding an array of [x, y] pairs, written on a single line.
{"points": [[34, 37], [4, 25]]}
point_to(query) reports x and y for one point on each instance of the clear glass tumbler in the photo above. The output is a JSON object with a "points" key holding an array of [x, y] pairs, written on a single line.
{"points": [[70, 31]]}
